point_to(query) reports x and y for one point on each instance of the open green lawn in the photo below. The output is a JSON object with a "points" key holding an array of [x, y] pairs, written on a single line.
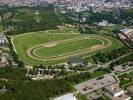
{"points": [[1, 28], [112, 28], [66, 47], [25, 41]]}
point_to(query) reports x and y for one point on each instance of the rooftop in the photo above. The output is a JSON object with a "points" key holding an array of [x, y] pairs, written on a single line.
{"points": [[122, 97], [114, 92], [76, 61], [113, 89], [68, 96], [130, 89]]}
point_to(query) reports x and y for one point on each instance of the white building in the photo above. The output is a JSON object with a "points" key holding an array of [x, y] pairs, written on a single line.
{"points": [[126, 30], [128, 33], [103, 23], [2, 40], [0, 18], [123, 37], [114, 92], [68, 96]]}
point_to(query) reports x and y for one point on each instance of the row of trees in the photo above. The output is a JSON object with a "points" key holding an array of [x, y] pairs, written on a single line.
{"points": [[104, 57], [24, 89], [14, 54], [10, 73], [28, 26], [35, 90], [123, 60], [75, 79]]}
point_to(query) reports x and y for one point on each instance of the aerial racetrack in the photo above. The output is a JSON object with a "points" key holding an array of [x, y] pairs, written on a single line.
{"points": [[52, 48]]}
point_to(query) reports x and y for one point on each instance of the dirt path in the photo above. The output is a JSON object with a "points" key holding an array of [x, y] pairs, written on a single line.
{"points": [[71, 54]]}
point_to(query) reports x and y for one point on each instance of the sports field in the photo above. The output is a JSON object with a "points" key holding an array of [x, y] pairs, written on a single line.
{"points": [[53, 48]]}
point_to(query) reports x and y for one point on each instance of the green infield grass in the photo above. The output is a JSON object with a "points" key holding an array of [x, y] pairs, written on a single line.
{"points": [[70, 46]]}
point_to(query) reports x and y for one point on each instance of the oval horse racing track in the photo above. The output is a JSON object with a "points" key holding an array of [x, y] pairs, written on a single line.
{"points": [[68, 48], [54, 48]]}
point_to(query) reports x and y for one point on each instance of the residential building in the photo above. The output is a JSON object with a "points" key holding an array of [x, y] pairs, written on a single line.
{"points": [[103, 23], [128, 33]]}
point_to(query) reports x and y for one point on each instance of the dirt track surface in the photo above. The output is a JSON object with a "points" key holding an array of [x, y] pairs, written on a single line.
{"points": [[71, 54]]}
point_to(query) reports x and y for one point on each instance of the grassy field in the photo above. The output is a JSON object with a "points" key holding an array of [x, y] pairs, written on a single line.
{"points": [[109, 29], [66, 47], [25, 41]]}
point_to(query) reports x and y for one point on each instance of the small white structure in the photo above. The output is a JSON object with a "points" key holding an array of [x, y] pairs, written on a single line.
{"points": [[0, 18], [114, 92], [123, 37], [3, 90], [76, 62], [68, 96], [2, 40], [103, 23]]}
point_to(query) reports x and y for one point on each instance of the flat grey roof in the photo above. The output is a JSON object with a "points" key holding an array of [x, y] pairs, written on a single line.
{"points": [[113, 88], [68, 96], [130, 89]]}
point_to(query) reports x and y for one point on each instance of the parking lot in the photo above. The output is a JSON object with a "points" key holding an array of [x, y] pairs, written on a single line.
{"points": [[123, 67], [95, 84]]}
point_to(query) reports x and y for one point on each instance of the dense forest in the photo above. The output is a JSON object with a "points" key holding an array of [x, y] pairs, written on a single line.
{"points": [[21, 87]]}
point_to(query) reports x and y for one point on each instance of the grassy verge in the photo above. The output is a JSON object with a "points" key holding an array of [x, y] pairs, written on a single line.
{"points": [[126, 79]]}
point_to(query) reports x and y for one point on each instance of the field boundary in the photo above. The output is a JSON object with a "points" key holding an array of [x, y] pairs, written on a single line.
{"points": [[13, 45]]}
